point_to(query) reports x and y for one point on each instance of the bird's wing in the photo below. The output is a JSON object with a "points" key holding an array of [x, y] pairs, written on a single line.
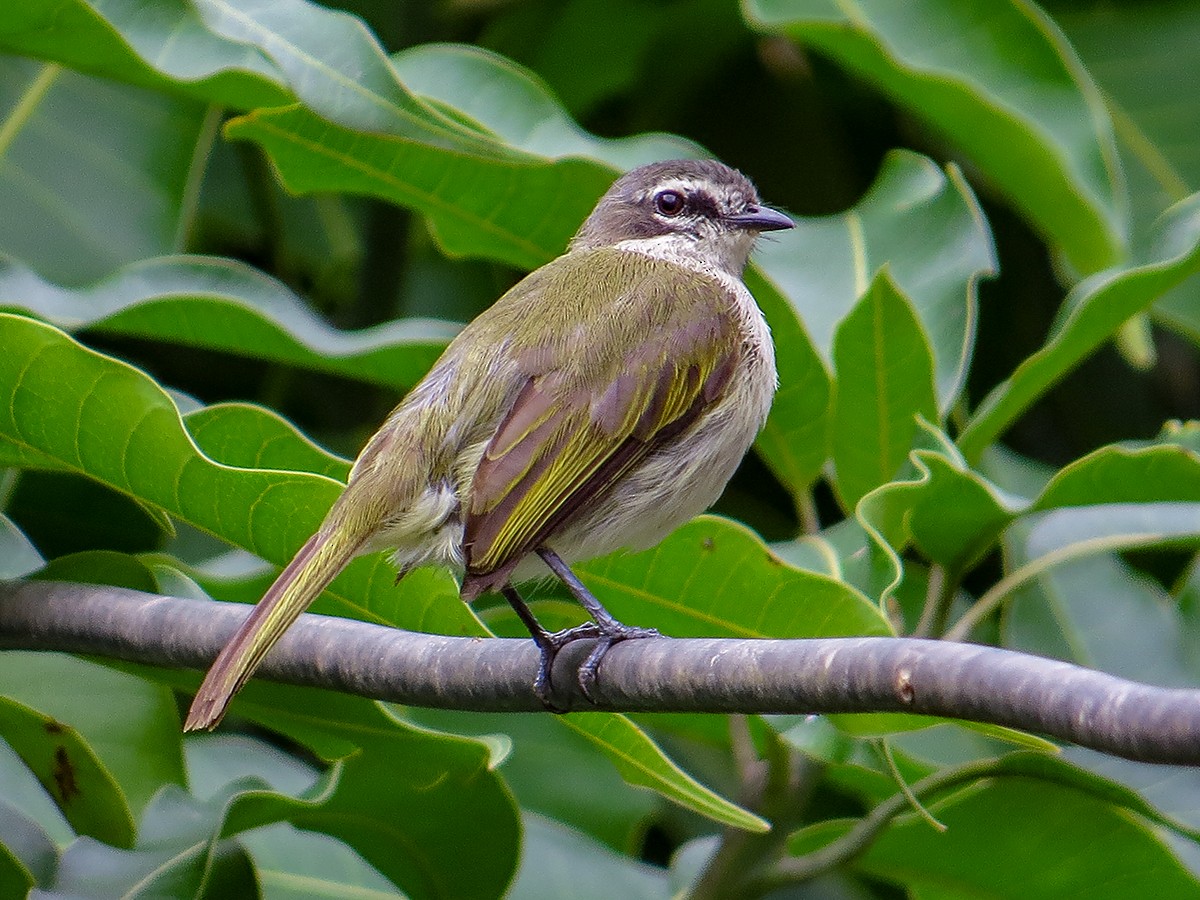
{"points": [[654, 361]]}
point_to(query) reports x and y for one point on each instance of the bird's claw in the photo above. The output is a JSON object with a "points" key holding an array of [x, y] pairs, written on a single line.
{"points": [[549, 644], [611, 634], [607, 635]]}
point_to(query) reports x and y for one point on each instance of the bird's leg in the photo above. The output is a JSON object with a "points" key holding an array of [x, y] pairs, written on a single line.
{"points": [[548, 642], [611, 631]]}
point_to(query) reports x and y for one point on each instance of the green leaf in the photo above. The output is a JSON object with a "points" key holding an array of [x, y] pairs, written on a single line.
{"points": [[516, 106], [252, 437], [315, 49], [176, 855], [558, 773], [641, 762], [139, 748], [1068, 843], [288, 862], [1080, 609], [221, 304], [515, 196], [951, 513], [99, 567], [69, 770], [557, 862], [1139, 55], [18, 557], [112, 423], [1168, 795], [80, 202], [925, 227], [494, 176], [809, 552], [900, 725], [1091, 314], [520, 214], [396, 785], [697, 583], [1002, 84], [28, 856], [165, 45], [795, 440], [884, 381], [291, 864], [1116, 474]]}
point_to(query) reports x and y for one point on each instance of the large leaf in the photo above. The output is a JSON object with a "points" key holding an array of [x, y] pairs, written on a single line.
{"points": [[292, 864], [1092, 313], [697, 582], [476, 143], [998, 80], [222, 304], [950, 512], [795, 440], [558, 772], [1139, 54], [177, 855], [112, 423], [251, 437], [518, 212], [925, 226], [402, 787], [1080, 609], [1116, 474], [512, 186], [93, 175], [70, 772], [86, 746], [517, 107], [1067, 843], [641, 762], [407, 800], [1113, 499], [1169, 794], [557, 861], [884, 383], [164, 45]]}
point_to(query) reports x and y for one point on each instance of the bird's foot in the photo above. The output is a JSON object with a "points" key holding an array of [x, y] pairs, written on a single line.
{"points": [[610, 633], [549, 643]]}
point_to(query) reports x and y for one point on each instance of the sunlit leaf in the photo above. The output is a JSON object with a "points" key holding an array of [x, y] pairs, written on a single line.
{"points": [[641, 762], [997, 79], [884, 379]]}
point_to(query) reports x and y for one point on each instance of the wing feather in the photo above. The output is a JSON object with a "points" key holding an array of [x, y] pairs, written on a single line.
{"points": [[570, 435]]}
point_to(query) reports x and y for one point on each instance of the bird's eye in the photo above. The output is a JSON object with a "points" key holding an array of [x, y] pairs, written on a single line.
{"points": [[669, 203]]}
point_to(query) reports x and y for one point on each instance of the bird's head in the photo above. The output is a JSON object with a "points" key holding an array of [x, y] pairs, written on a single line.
{"points": [[697, 208]]}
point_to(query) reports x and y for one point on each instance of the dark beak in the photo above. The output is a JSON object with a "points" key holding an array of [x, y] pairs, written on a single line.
{"points": [[761, 218]]}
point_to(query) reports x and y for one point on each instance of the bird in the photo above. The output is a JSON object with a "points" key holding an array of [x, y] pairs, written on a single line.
{"points": [[601, 402]]}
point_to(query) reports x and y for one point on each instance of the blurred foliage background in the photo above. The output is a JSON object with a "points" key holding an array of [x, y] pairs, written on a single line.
{"points": [[280, 226]]}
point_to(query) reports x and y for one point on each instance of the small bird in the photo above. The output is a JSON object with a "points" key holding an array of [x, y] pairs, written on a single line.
{"points": [[604, 400]]}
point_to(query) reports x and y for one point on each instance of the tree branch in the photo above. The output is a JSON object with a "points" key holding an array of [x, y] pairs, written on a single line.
{"points": [[940, 678]]}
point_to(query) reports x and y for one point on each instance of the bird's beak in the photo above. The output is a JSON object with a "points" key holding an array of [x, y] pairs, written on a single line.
{"points": [[761, 218]]}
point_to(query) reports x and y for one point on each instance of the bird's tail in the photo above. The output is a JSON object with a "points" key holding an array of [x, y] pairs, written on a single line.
{"points": [[319, 561]]}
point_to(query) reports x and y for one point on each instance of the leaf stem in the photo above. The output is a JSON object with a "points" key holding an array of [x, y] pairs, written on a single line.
{"points": [[939, 597], [992, 599], [858, 840]]}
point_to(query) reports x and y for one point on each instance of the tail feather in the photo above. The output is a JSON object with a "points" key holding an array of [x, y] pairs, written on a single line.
{"points": [[316, 564]]}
